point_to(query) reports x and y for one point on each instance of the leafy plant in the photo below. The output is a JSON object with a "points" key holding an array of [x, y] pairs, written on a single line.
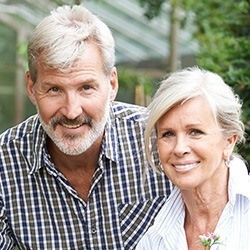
{"points": [[129, 79]]}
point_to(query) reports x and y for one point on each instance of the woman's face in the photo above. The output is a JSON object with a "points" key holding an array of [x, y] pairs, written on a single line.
{"points": [[191, 145]]}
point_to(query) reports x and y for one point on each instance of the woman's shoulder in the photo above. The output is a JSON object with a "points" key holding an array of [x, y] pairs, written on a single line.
{"points": [[239, 181]]}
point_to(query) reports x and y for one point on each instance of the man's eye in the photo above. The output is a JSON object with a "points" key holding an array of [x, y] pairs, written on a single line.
{"points": [[86, 87], [54, 89]]}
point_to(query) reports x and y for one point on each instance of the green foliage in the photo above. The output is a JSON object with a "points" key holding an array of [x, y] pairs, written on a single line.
{"points": [[62, 2], [22, 51], [152, 7], [129, 79], [7, 73]]}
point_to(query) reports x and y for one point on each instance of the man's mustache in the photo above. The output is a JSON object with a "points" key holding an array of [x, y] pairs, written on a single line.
{"points": [[72, 122]]}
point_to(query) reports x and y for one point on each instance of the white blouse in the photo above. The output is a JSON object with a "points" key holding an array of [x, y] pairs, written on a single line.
{"points": [[233, 225]]}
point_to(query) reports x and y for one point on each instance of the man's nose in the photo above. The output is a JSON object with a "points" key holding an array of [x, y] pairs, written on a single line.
{"points": [[72, 107]]}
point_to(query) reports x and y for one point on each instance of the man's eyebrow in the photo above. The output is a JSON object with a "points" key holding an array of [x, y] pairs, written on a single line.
{"points": [[48, 83]]}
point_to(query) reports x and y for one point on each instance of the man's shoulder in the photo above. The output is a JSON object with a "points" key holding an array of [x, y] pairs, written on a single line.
{"points": [[19, 131], [128, 111]]}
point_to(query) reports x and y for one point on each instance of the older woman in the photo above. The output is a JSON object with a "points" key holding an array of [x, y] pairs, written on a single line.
{"points": [[196, 117]]}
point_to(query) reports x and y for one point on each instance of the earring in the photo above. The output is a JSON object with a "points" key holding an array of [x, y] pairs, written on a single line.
{"points": [[227, 161]]}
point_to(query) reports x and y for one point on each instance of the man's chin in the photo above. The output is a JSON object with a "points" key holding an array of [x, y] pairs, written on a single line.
{"points": [[76, 149], [70, 151]]}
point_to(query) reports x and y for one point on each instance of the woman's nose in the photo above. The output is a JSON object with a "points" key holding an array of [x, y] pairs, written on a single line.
{"points": [[182, 146]]}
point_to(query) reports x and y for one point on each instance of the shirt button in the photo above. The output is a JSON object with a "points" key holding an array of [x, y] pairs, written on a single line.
{"points": [[94, 231]]}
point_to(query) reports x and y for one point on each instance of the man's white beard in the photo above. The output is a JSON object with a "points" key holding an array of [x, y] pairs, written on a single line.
{"points": [[75, 144]]}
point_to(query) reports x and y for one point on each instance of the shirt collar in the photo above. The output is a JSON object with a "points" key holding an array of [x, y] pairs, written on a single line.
{"points": [[109, 142], [239, 180], [169, 218], [39, 142]]}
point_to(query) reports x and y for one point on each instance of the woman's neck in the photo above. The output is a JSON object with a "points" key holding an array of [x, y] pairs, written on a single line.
{"points": [[204, 206]]}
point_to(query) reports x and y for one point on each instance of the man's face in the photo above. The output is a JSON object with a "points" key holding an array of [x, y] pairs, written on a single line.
{"points": [[73, 107]]}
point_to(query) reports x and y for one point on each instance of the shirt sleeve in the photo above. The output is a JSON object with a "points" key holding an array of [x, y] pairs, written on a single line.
{"points": [[6, 241]]}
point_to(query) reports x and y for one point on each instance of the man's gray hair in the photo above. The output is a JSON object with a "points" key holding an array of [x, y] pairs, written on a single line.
{"points": [[60, 39]]}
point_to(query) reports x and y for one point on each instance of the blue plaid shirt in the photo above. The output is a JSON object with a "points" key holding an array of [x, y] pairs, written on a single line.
{"points": [[40, 210]]}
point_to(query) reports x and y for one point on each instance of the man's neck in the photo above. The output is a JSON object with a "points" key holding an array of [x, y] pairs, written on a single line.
{"points": [[77, 169]]}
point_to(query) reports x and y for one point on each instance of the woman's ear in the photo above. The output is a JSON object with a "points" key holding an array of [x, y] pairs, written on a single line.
{"points": [[114, 84], [30, 88], [230, 144]]}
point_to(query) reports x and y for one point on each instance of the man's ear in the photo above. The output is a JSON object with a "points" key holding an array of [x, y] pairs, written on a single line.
{"points": [[30, 88], [114, 84], [229, 147]]}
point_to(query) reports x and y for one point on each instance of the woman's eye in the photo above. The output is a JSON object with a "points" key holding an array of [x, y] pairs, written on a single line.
{"points": [[196, 132], [168, 134]]}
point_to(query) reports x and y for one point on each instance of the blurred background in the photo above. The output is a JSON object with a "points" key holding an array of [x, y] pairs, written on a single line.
{"points": [[153, 38]]}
